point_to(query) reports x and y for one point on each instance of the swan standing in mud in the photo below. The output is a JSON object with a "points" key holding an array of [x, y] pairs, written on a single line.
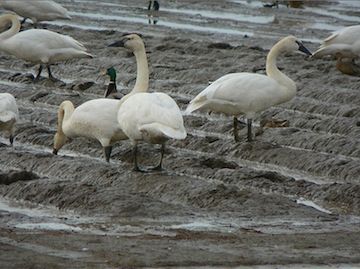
{"points": [[248, 93], [9, 114], [150, 117], [153, 118], [39, 46], [36, 10], [345, 46], [97, 118]]}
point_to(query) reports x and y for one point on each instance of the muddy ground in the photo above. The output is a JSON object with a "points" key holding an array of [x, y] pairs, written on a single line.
{"points": [[291, 197]]}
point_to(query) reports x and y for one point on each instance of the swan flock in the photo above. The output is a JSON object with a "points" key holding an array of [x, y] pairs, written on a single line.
{"points": [[143, 116]]}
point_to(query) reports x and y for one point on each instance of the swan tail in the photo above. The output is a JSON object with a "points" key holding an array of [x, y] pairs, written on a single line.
{"points": [[195, 104], [88, 55], [172, 133], [330, 38], [159, 130], [7, 117]]}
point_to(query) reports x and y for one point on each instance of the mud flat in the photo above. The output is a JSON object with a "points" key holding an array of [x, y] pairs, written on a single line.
{"points": [[289, 200]]}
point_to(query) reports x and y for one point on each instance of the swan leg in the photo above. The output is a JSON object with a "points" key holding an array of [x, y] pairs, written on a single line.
{"points": [[159, 166], [39, 72], [249, 134], [11, 139], [107, 153], [136, 167], [236, 135], [51, 77]]}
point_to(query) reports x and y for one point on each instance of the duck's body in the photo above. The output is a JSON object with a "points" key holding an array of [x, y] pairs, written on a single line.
{"points": [[95, 119], [36, 10], [248, 93], [9, 114], [39, 46], [111, 91], [153, 118]]}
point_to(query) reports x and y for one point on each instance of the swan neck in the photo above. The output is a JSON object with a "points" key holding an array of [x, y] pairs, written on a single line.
{"points": [[273, 71], [66, 109], [15, 26], [142, 77]]}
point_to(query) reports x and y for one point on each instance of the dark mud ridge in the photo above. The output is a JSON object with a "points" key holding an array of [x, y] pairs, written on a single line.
{"points": [[290, 197]]}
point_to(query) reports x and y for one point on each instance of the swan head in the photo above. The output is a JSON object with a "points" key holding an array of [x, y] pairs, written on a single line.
{"points": [[59, 141], [292, 44], [130, 41]]}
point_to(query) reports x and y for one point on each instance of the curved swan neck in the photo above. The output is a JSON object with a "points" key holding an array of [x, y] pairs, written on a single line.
{"points": [[142, 76], [15, 26], [273, 71], [65, 111]]}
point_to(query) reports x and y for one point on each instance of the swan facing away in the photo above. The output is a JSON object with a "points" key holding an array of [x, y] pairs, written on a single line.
{"points": [[39, 46], [248, 93], [95, 119], [345, 46], [153, 118], [36, 10], [9, 114]]}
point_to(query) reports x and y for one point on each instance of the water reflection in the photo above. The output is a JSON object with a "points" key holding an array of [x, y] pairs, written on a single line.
{"points": [[289, 3], [153, 11]]}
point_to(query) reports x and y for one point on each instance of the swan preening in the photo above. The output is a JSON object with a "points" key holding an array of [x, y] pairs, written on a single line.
{"points": [[248, 93], [97, 119], [345, 46], [9, 114], [36, 10], [39, 46], [153, 118]]}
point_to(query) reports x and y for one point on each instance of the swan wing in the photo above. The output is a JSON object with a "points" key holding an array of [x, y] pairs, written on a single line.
{"points": [[37, 10], [48, 39], [43, 46], [251, 92], [96, 118], [151, 112], [347, 35], [343, 50], [8, 108]]}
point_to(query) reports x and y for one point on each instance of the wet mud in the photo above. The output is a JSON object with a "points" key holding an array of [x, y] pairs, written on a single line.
{"points": [[291, 197]]}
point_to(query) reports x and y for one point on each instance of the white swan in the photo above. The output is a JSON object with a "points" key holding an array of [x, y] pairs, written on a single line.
{"points": [[9, 114], [153, 118], [39, 46], [345, 46], [97, 118], [134, 43], [343, 43], [36, 10], [247, 93]]}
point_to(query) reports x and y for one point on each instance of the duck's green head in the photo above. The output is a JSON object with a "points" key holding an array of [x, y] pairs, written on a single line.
{"points": [[111, 72]]}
